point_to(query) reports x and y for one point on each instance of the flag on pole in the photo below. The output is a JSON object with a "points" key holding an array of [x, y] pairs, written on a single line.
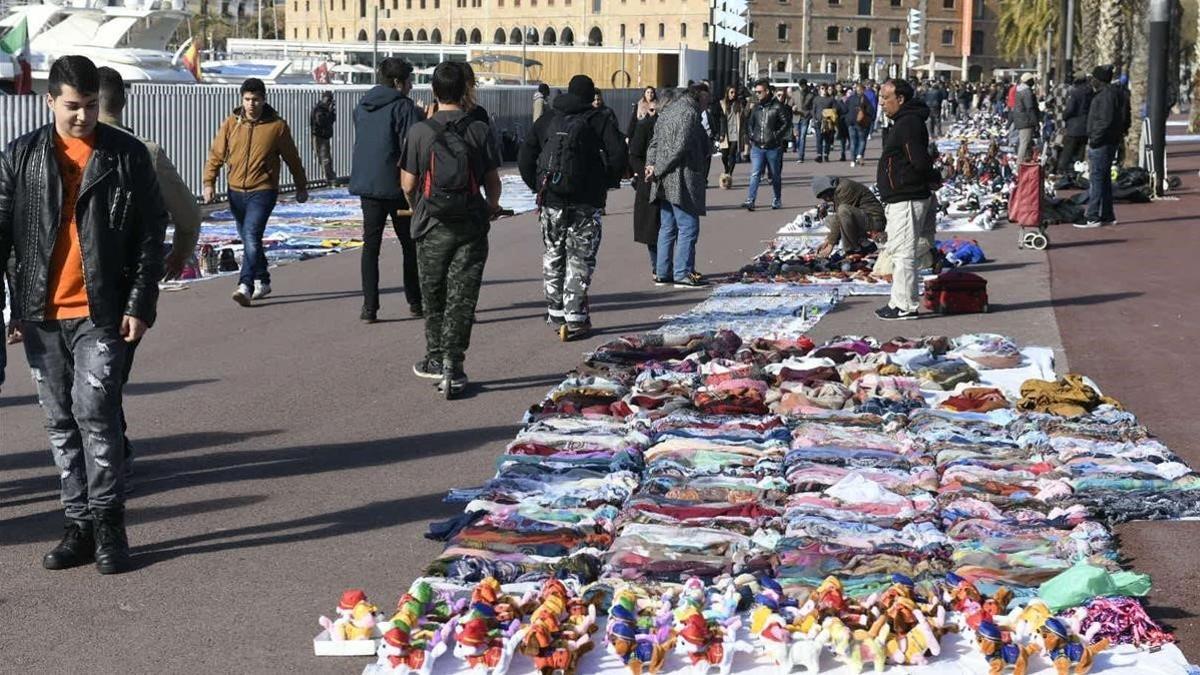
{"points": [[191, 59], [16, 45]]}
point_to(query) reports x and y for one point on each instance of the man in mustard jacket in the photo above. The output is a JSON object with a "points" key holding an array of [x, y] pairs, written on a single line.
{"points": [[251, 142]]}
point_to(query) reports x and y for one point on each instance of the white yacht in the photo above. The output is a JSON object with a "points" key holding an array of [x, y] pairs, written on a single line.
{"points": [[131, 37]]}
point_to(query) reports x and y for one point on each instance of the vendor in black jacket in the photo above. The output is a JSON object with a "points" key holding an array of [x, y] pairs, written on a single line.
{"points": [[1075, 115], [572, 168], [1107, 122], [903, 178]]}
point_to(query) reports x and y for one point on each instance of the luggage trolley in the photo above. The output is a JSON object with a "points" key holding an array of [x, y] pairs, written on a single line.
{"points": [[1025, 204]]}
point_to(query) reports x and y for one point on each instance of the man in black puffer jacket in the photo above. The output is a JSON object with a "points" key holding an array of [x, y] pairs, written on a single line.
{"points": [[769, 128], [903, 178], [381, 123], [1075, 135], [81, 210]]}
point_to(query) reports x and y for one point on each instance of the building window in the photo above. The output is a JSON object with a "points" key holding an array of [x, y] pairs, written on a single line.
{"points": [[306, 6], [343, 32], [642, 31], [704, 29], [864, 7], [781, 32], [295, 33], [862, 41], [595, 36], [976, 42], [596, 6], [947, 4], [362, 8], [343, 5], [835, 3], [895, 3], [832, 34], [296, 6], [407, 4], [306, 35], [947, 37], [683, 31], [750, 29], [395, 4], [662, 31], [622, 31], [893, 36], [499, 37]]}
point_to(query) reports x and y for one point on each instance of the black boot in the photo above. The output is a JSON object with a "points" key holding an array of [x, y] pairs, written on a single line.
{"points": [[112, 548], [77, 547]]}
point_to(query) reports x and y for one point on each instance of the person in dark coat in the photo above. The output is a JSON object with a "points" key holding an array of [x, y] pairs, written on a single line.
{"points": [[1075, 135], [645, 209]]}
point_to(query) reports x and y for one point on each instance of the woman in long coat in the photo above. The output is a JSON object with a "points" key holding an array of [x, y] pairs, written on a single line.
{"points": [[645, 209]]}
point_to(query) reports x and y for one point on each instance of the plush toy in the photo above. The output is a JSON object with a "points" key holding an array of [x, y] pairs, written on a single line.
{"points": [[854, 647], [906, 633], [786, 645], [419, 631], [559, 631], [397, 654], [484, 647], [640, 637], [356, 618], [999, 650], [1064, 649]]}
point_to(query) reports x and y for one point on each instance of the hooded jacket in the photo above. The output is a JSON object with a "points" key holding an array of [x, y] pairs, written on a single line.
{"points": [[1079, 100], [905, 167], [605, 152], [252, 150], [1107, 118], [381, 123], [848, 192], [119, 214]]}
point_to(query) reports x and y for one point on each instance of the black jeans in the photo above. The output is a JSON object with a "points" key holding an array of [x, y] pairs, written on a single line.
{"points": [[729, 159], [375, 215]]}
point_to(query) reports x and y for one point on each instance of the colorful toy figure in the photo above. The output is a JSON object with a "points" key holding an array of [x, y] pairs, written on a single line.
{"points": [[642, 641], [356, 618], [485, 649], [1065, 649], [999, 650], [398, 655], [708, 645], [973, 607], [829, 599], [419, 631], [906, 633], [854, 647], [786, 645], [559, 632]]}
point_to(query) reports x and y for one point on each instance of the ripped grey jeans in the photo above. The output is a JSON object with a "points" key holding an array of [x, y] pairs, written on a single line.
{"points": [[77, 367]]}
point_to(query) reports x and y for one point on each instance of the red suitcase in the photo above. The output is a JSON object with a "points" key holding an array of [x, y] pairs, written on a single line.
{"points": [[956, 292]]}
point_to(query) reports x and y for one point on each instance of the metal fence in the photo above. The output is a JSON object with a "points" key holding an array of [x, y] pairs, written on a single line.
{"points": [[184, 118]]}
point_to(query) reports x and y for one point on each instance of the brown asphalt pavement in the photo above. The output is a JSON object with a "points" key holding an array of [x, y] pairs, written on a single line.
{"points": [[286, 452]]}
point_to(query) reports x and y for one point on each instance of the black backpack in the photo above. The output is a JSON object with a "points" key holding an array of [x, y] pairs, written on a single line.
{"points": [[564, 166], [450, 184]]}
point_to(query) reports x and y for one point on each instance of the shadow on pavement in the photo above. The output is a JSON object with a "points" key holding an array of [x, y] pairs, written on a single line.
{"points": [[375, 515], [1086, 242], [1083, 300]]}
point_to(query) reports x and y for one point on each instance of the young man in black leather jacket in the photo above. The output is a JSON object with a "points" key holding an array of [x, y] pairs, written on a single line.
{"points": [[769, 127]]}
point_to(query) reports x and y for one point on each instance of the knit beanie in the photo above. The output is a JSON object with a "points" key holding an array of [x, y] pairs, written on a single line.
{"points": [[1103, 73], [582, 87]]}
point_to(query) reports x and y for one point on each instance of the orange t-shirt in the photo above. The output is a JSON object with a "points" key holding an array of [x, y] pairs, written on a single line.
{"points": [[67, 297]]}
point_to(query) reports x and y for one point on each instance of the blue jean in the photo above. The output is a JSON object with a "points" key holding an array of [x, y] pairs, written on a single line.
{"points": [[824, 144], [773, 159], [653, 249], [802, 136], [251, 210], [858, 141], [1100, 196], [677, 235], [78, 369]]}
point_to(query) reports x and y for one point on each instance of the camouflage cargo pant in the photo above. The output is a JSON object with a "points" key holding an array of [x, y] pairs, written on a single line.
{"points": [[572, 239], [450, 260]]}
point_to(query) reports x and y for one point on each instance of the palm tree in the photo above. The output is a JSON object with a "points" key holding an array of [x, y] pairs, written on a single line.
{"points": [[1085, 51], [1110, 34], [1194, 126], [1021, 31], [1139, 71]]}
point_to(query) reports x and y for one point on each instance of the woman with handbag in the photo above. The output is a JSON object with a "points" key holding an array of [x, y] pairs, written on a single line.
{"points": [[729, 140]]}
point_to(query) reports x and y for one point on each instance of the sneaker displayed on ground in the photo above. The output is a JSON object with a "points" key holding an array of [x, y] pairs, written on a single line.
{"points": [[242, 295], [573, 330], [776, 205], [368, 315], [1110, 223], [78, 547], [416, 311], [1089, 225], [112, 548], [430, 369], [453, 380], [889, 313], [749, 206], [692, 280], [261, 290], [660, 281]]}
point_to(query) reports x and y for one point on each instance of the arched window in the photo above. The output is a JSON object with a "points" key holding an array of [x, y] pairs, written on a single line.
{"points": [[500, 37], [381, 36], [435, 36], [394, 36], [595, 37], [515, 37], [362, 36], [422, 36], [460, 37], [568, 37], [476, 36], [532, 38], [683, 31], [549, 37], [408, 36]]}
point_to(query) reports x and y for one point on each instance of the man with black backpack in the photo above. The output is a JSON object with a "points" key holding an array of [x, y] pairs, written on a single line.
{"points": [[321, 120], [445, 161], [572, 157]]}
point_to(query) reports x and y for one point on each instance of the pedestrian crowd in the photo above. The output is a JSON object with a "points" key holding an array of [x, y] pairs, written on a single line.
{"points": [[85, 203]]}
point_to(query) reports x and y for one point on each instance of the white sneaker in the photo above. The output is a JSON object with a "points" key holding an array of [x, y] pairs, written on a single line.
{"points": [[852, 164], [242, 295], [1089, 225], [1110, 223], [261, 290]]}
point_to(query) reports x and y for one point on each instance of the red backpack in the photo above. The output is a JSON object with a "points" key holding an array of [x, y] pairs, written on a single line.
{"points": [[956, 292]]}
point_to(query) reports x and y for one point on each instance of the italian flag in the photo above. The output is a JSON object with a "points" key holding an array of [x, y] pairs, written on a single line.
{"points": [[16, 45]]}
